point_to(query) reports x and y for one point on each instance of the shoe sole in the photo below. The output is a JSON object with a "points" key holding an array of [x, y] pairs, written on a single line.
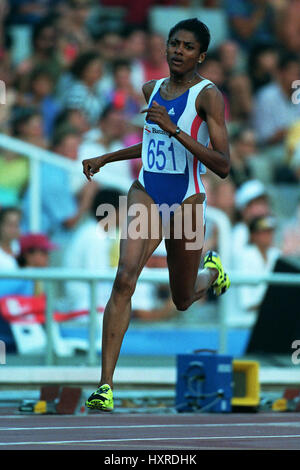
{"points": [[98, 406]]}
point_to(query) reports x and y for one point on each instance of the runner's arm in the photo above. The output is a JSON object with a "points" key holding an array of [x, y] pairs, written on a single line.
{"points": [[216, 158], [211, 106], [93, 165]]}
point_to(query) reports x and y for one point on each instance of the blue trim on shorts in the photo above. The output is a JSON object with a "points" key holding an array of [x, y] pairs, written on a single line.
{"points": [[166, 188]]}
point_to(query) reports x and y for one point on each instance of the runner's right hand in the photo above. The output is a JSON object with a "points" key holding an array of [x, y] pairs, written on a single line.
{"points": [[91, 166]]}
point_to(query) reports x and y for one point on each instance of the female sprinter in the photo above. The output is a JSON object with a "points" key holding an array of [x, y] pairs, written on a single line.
{"points": [[185, 113]]}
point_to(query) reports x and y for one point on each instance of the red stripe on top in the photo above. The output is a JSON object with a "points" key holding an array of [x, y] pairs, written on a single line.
{"points": [[194, 133]]}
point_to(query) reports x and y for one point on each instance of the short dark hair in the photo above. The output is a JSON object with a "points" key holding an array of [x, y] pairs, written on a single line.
{"points": [[20, 116], [82, 62], [61, 133], [38, 28], [195, 26], [109, 108], [287, 58]]}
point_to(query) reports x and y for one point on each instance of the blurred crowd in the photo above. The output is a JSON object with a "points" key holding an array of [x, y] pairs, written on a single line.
{"points": [[73, 72]]}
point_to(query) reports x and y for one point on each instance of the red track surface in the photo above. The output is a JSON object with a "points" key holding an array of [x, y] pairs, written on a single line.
{"points": [[126, 431]]}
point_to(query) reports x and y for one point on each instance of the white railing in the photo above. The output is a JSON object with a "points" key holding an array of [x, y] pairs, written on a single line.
{"points": [[36, 155], [52, 275]]}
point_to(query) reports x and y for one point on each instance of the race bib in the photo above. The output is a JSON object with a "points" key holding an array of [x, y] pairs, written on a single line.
{"points": [[161, 153]]}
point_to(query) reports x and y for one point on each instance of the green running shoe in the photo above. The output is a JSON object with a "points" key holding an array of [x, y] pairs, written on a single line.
{"points": [[222, 283], [101, 399]]}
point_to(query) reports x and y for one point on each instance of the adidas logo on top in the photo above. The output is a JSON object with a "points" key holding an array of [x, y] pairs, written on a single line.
{"points": [[171, 112]]}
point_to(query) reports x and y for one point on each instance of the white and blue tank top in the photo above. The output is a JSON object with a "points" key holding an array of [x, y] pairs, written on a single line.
{"points": [[170, 173]]}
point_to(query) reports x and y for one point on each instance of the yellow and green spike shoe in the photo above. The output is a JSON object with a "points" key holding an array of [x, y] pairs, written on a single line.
{"points": [[222, 283], [101, 399]]}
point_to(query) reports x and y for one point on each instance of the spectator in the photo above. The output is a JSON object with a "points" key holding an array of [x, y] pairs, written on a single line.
{"points": [[67, 142], [237, 85], [4, 11], [8, 93], [291, 235], [155, 65], [34, 253], [134, 44], [9, 235], [230, 57], [60, 211], [220, 194], [27, 125], [85, 91], [9, 249], [225, 198], [73, 33], [243, 148], [251, 201], [14, 176], [44, 43], [258, 257], [29, 12], [136, 13], [123, 95], [34, 250], [72, 117], [7, 69], [105, 139], [262, 65], [274, 112], [289, 28], [251, 21], [211, 230], [292, 147], [40, 95], [109, 43]]}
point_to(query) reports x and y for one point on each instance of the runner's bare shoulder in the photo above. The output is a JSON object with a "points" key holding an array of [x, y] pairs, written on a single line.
{"points": [[148, 88]]}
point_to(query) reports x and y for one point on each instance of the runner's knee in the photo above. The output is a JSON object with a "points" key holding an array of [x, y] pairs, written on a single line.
{"points": [[125, 281], [181, 303]]}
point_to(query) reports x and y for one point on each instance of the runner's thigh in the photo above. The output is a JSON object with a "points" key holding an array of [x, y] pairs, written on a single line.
{"points": [[184, 249], [141, 232]]}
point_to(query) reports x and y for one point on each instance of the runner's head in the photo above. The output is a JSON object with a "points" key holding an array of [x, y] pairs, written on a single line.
{"points": [[195, 26], [187, 44]]}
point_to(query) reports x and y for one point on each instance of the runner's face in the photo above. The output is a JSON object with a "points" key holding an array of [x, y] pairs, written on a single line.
{"points": [[183, 52]]}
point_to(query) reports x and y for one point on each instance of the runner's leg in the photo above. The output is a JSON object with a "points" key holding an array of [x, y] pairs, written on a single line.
{"points": [[134, 254], [184, 255]]}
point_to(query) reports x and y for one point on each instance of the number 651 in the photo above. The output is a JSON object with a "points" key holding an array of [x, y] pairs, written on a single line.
{"points": [[157, 155]]}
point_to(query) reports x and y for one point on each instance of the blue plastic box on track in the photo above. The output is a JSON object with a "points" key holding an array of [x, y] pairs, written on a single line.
{"points": [[204, 382]]}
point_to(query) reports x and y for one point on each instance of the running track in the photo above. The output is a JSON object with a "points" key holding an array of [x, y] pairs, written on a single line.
{"points": [[142, 431]]}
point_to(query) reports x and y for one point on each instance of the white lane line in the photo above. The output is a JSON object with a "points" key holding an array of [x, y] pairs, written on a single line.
{"points": [[200, 438], [146, 426]]}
